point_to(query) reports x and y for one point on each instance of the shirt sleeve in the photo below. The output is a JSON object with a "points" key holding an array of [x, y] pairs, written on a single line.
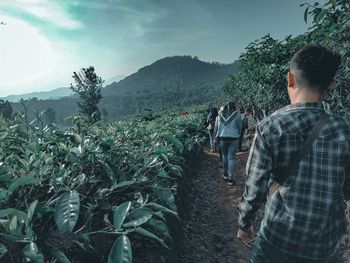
{"points": [[216, 126], [259, 167], [346, 187]]}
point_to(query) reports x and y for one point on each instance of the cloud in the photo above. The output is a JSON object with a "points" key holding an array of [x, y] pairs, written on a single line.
{"points": [[44, 10]]}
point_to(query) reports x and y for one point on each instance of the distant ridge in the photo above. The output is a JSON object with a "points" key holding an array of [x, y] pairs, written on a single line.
{"points": [[177, 81], [42, 95]]}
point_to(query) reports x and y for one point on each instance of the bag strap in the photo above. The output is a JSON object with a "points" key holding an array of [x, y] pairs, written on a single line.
{"points": [[289, 170]]}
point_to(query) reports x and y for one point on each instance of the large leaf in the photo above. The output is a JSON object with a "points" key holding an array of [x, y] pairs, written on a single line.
{"points": [[167, 196], [173, 140], [109, 171], [11, 212], [61, 257], [67, 211], [31, 210], [158, 207], [22, 181], [149, 234], [138, 217], [31, 252], [120, 251], [159, 226], [120, 214]]}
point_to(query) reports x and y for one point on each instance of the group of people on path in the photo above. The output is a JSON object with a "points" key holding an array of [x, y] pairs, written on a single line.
{"points": [[227, 129], [298, 167]]}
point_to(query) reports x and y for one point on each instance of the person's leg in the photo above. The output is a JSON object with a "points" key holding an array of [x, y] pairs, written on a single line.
{"points": [[210, 140], [241, 140], [224, 152], [233, 145]]}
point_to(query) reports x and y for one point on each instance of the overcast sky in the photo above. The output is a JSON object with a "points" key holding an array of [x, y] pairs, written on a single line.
{"points": [[44, 41]]}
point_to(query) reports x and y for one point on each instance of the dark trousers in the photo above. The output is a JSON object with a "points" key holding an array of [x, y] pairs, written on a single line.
{"points": [[264, 252]]}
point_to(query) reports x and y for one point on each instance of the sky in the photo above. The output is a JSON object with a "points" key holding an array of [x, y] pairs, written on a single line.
{"points": [[44, 41]]}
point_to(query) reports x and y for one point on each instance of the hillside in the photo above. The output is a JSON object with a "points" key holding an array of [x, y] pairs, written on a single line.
{"points": [[171, 81], [51, 94], [171, 74]]}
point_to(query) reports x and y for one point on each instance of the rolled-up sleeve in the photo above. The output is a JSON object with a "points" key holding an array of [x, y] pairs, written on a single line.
{"points": [[259, 167]]}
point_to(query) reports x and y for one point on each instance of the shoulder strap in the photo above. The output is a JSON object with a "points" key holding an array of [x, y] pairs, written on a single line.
{"points": [[289, 170]]}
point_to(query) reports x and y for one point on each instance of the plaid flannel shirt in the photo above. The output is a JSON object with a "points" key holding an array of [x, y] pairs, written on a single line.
{"points": [[306, 216]]}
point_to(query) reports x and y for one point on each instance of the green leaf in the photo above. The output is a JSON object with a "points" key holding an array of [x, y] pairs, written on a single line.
{"points": [[120, 251], [306, 12], [11, 212], [4, 195], [173, 140], [30, 251], [67, 211], [167, 196], [158, 207], [62, 258], [138, 217], [124, 184], [22, 181], [120, 214], [31, 210], [149, 234], [13, 224], [106, 144], [109, 172], [159, 226]]}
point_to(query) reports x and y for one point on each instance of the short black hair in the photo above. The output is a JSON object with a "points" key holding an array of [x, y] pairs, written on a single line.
{"points": [[317, 66]]}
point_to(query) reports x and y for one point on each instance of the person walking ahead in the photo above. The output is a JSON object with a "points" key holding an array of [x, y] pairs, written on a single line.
{"points": [[228, 133], [305, 217]]}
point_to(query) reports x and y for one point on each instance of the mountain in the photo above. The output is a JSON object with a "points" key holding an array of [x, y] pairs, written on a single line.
{"points": [[42, 95], [170, 74], [168, 82]]}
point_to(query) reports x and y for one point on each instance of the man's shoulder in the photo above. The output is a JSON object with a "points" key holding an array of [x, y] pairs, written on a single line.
{"points": [[284, 121]]}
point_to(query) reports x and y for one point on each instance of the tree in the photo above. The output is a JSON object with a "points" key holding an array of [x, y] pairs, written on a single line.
{"points": [[260, 79], [88, 86], [50, 115], [5, 109]]}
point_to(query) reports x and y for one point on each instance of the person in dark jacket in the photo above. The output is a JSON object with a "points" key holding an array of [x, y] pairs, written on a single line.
{"points": [[213, 113]]}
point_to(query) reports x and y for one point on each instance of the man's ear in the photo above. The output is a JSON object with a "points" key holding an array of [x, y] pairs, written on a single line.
{"points": [[291, 79]]}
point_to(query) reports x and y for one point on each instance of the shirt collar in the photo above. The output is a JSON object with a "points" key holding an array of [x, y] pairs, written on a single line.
{"points": [[302, 106]]}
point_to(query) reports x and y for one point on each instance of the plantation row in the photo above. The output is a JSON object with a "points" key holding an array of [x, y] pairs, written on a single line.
{"points": [[93, 192]]}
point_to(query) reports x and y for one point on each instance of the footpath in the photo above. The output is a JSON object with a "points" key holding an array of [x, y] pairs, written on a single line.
{"points": [[211, 225]]}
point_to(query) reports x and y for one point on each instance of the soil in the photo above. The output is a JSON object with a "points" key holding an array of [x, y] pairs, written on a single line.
{"points": [[210, 227]]}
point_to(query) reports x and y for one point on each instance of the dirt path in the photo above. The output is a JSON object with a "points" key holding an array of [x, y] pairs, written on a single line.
{"points": [[211, 226]]}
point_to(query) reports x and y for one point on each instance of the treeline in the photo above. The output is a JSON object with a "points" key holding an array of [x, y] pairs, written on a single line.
{"points": [[178, 81], [260, 79]]}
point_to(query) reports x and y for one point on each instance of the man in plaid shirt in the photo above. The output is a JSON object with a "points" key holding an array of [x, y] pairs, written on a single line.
{"points": [[305, 217]]}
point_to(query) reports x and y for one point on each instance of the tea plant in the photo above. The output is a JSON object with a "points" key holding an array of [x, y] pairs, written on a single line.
{"points": [[93, 191]]}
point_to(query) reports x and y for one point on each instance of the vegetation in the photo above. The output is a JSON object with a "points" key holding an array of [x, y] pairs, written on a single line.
{"points": [[260, 80], [93, 191], [88, 86], [5, 109], [174, 81]]}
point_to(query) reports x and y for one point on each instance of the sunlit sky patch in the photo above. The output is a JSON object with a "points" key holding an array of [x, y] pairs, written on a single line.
{"points": [[44, 41]]}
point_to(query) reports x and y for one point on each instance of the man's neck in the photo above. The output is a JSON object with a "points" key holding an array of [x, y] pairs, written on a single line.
{"points": [[306, 97]]}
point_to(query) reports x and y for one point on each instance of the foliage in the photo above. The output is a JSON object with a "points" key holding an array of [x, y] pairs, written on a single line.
{"points": [[88, 86], [50, 115], [260, 80], [5, 109], [93, 191]]}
